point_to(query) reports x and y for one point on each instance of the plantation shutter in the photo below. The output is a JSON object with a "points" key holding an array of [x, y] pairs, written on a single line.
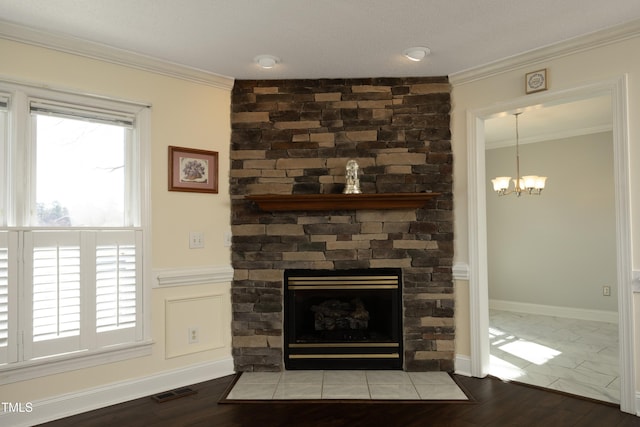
{"points": [[5, 276], [118, 281], [55, 292]]}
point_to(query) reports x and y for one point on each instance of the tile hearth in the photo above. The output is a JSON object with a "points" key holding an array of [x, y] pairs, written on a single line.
{"points": [[367, 385]]}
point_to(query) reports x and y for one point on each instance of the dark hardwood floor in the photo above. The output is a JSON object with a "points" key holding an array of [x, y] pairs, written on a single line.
{"points": [[496, 404]]}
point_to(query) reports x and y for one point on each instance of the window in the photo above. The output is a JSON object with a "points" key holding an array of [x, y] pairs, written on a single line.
{"points": [[73, 226]]}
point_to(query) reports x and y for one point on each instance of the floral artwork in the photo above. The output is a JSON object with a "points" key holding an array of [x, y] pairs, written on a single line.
{"points": [[193, 170]]}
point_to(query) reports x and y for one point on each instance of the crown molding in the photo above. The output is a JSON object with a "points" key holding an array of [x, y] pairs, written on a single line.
{"points": [[552, 136], [85, 48], [77, 46], [600, 38]]}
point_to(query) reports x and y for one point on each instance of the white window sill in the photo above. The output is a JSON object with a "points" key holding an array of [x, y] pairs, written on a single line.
{"points": [[15, 372]]}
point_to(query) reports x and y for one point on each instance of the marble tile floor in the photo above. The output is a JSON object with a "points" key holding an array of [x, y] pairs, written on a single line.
{"points": [[569, 355], [367, 385]]}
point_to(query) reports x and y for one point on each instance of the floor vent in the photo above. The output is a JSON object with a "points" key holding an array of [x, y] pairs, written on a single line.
{"points": [[173, 394]]}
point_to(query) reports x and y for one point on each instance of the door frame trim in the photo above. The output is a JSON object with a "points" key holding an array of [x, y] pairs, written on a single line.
{"points": [[478, 274]]}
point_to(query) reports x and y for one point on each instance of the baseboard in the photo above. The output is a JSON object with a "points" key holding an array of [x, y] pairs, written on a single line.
{"points": [[66, 405], [556, 311], [463, 365], [637, 404]]}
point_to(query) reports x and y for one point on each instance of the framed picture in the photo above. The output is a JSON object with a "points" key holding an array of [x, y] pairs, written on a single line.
{"points": [[536, 81], [193, 170]]}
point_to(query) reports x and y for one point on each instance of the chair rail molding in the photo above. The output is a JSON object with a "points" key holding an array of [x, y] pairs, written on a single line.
{"points": [[192, 276], [460, 271]]}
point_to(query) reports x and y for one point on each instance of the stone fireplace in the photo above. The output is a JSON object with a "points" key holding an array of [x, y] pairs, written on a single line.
{"points": [[294, 137]]}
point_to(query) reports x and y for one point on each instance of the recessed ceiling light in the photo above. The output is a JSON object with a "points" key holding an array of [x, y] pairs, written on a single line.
{"points": [[416, 53], [266, 61]]}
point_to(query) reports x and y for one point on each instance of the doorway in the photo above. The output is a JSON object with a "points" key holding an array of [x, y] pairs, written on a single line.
{"points": [[552, 256], [478, 261]]}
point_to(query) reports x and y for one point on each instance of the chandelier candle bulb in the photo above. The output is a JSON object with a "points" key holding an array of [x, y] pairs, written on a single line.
{"points": [[529, 181], [501, 183], [540, 182]]}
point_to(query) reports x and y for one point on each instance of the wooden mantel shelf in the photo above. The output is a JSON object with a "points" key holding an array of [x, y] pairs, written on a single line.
{"points": [[336, 202]]}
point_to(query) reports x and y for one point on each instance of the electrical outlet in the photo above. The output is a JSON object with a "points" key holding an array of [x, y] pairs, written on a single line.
{"points": [[196, 240], [194, 335], [606, 291]]}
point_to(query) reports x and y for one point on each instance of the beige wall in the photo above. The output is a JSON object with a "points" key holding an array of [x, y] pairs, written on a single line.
{"points": [[568, 71], [185, 114], [196, 115], [558, 249]]}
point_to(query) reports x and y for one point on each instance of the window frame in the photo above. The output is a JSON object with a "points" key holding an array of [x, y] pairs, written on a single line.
{"points": [[17, 196], [4, 136]]}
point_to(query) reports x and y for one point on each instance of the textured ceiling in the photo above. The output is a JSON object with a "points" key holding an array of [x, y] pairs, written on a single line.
{"points": [[340, 39], [322, 38]]}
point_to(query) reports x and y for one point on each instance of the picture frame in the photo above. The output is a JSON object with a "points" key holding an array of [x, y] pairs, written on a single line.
{"points": [[535, 81], [193, 170]]}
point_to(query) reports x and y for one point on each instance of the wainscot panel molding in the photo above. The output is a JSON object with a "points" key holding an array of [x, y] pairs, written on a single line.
{"points": [[555, 311], [87, 400], [192, 276], [208, 313]]}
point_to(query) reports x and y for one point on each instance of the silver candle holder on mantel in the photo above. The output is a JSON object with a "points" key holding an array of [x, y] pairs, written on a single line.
{"points": [[352, 181]]}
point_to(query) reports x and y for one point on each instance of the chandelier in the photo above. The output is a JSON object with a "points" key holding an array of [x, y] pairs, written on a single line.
{"points": [[530, 184]]}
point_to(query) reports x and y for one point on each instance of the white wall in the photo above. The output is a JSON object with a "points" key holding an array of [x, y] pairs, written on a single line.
{"points": [[556, 249], [184, 113]]}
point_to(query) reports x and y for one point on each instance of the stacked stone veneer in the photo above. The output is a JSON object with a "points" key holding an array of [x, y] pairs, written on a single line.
{"points": [[295, 137]]}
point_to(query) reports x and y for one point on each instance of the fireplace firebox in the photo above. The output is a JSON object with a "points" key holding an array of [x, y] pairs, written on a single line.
{"points": [[343, 319]]}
